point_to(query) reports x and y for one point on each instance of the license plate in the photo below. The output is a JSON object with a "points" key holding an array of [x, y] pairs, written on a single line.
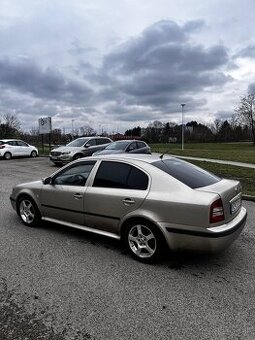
{"points": [[236, 205], [54, 157]]}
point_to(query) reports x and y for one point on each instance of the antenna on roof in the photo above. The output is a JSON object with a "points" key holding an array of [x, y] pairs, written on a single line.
{"points": [[163, 154]]}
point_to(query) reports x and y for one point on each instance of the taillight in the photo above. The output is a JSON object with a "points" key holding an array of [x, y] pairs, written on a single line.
{"points": [[2, 146], [216, 211]]}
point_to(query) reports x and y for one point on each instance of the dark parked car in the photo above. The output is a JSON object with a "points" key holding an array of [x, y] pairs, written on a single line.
{"points": [[80, 147], [130, 146]]}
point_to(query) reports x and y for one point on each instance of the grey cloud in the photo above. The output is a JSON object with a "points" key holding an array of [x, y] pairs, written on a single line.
{"points": [[247, 52], [161, 64], [251, 88], [27, 77], [224, 115]]}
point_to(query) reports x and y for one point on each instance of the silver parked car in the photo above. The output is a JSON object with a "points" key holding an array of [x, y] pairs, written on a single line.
{"points": [[123, 146], [147, 201], [16, 148], [80, 147]]}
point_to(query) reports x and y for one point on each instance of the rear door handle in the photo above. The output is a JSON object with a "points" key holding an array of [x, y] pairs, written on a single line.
{"points": [[77, 196], [128, 201]]}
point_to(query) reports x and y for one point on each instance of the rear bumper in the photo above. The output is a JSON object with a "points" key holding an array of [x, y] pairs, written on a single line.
{"points": [[212, 239]]}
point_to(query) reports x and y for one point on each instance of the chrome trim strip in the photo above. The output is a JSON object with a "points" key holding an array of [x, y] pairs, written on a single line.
{"points": [[77, 226]]}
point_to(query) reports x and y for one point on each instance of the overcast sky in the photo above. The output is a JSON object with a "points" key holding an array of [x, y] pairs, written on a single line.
{"points": [[118, 64]]}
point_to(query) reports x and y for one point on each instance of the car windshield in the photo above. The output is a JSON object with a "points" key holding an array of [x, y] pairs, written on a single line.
{"points": [[78, 142], [117, 145], [191, 175]]}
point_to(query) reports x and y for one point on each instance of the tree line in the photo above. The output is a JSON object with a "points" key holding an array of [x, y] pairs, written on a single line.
{"points": [[240, 128]]}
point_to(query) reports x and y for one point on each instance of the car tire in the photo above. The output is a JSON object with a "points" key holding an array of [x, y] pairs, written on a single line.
{"points": [[7, 155], [28, 211], [33, 154], [144, 241], [77, 156]]}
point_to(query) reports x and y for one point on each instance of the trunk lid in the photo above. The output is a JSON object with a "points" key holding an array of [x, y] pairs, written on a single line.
{"points": [[230, 192]]}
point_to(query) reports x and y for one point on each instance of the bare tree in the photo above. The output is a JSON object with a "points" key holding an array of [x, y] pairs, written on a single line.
{"points": [[9, 126], [246, 110], [11, 121], [87, 130]]}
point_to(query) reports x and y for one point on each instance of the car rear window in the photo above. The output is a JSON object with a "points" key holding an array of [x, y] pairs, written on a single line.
{"points": [[191, 175]]}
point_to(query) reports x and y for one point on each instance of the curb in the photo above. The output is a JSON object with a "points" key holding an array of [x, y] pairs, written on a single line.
{"points": [[248, 198]]}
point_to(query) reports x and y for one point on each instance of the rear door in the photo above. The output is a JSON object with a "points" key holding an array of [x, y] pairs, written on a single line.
{"points": [[118, 189], [13, 148]]}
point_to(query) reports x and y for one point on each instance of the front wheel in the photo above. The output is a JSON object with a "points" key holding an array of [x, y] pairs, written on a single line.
{"points": [[143, 241], [28, 211], [77, 157], [33, 154], [7, 155]]}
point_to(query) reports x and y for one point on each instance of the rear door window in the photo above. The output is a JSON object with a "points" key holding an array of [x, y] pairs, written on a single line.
{"points": [[120, 175], [191, 175], [101, 141]]}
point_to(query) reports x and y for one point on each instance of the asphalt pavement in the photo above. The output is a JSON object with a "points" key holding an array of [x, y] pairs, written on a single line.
{"points": [[62, 284]]}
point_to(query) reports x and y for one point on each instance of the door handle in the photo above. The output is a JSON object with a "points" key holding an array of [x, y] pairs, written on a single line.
{"points": [[77, 196], [128, 201]]}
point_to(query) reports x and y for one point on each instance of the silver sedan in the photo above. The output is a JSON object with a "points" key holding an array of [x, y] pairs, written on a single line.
{"points": [[147, 201]]}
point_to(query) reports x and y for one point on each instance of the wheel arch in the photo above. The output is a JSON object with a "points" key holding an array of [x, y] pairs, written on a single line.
{"points": [[8, 152], [33, 151], [28, 195], [77, 155], [139, 219]]}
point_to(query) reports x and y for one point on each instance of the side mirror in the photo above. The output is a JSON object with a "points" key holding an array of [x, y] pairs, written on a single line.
{"points": [[47, 180], [87, 145]]}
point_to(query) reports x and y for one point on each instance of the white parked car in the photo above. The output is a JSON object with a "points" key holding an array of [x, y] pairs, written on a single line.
{"points": [[16, 148]]}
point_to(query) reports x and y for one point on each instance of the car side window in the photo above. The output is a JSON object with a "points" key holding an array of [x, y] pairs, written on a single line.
{"points": [[132, 146], [12, 143], [101, 141], [91, 142], [74, 175], [141, 145], [120, 175], [20, 143]]}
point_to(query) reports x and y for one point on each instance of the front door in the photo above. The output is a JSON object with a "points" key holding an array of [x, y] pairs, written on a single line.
{"points": [[63, 199]]}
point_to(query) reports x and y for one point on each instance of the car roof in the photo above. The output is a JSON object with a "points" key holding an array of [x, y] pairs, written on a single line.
{"points": [[89, 137], [148, 158], [125, 140], [9, 140]]}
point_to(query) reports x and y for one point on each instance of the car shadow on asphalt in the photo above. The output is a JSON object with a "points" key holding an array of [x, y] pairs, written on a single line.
{"points": [[176, 261]]}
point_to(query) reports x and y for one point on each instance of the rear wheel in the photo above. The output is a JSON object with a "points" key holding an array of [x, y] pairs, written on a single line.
{"points": [[144, 241], [28, 211], [7, 155], [33, 154]]}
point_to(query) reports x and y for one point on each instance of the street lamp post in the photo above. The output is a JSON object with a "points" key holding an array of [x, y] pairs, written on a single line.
{"points": [[182, 105], [72, 127]]}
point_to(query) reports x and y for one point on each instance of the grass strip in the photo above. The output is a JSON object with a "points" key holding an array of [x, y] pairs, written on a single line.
{"points": [[237, 152]]}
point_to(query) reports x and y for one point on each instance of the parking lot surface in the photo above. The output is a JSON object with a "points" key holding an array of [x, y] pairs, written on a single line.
{"points": [[60, 283]]}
